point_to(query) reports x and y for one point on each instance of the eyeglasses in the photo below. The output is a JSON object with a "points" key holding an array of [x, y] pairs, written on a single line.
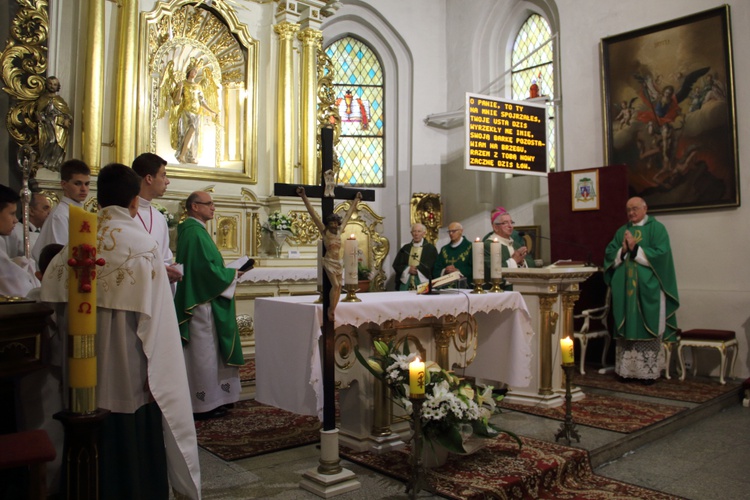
{"points": [[506, 223], [453, 230], [207, 203]]}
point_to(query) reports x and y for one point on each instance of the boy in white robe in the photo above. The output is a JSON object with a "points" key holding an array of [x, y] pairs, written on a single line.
{"points": [[16, 278]]}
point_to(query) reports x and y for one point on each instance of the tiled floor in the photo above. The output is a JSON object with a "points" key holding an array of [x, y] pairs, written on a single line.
{"points": [[704, 460]]}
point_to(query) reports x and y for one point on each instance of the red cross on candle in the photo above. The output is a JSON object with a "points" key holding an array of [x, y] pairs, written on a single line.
{"points": [[83, 262]]}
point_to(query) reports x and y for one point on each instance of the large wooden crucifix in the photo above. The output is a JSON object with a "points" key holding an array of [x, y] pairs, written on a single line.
{"points": [[279, 189]]}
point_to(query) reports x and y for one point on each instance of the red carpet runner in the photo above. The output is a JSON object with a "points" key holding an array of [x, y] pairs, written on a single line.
{"points": [[539, 470], [605, 412]]}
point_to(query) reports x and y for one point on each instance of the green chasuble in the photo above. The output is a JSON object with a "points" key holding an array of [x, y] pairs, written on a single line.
{"points": [[459, 256], [426, 264], [204, 280], [636, 288]]}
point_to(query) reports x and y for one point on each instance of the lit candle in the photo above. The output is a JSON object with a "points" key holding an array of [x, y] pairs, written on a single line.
{"points": [[350, 261], [566, 348], [496, 264], [477, 259], [320, 264], [416, 377], [82, 298]]}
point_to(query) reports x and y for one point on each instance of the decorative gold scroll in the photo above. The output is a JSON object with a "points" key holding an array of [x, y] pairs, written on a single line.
{"points": [[24, 64]]}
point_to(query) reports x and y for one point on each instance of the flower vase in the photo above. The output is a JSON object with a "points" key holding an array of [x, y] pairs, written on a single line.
{"points": [[279, 236], [434, 454]]}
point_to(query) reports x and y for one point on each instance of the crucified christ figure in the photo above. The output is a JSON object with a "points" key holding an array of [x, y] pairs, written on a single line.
{"points": [[332, 243]]}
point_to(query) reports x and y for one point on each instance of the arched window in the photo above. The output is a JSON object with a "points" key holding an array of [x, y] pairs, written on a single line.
{"points": [[532, 64], [358, 80]]}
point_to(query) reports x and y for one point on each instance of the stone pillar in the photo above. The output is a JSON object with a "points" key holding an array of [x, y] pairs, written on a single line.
{"points": [[127, 64], [311, 39], [93, 86], [285, 130]]}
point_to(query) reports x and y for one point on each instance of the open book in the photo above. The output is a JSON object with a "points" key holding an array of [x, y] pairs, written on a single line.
{"points": [[568, 263], [438, 282]]}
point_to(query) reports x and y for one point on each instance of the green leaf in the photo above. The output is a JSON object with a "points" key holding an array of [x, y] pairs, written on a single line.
{"points": [[451, 439], [364, 363]]}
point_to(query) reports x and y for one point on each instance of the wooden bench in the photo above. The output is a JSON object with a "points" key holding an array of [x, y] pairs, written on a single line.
{"points": [[722, 340]]}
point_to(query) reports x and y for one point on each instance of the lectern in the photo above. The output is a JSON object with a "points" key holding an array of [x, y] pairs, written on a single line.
{"points": [[550, 294]]}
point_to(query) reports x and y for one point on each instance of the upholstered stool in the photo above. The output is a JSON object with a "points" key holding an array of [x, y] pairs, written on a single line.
{"points": [[30, 449], [716, 339]]}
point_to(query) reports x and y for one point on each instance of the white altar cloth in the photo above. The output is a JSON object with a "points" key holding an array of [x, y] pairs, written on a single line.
{"points": [[288, 353], [266, 274]]}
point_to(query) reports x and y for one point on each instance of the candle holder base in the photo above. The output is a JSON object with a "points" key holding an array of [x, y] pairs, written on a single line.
{"points": [[478, 283], [319, 300], [351, 293], [568, 428], [496, 288], [416, 480]]}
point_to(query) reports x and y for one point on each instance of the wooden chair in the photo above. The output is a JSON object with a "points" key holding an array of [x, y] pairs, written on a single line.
{"points": [[31, 449], [722, 340], [599, 329]]}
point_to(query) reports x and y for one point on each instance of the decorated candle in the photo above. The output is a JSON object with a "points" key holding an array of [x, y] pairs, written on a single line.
{"points": [[496, 264], [416, 377], [566, 348], [350, 261], [82, 260], [477, 250]]}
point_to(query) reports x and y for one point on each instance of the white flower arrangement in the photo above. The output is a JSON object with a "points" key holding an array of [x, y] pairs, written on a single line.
{"points": [[279, 221], [453, 408]]}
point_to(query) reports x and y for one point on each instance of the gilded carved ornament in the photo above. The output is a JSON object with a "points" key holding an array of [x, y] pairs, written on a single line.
{"points": [[203, 122], [427, 209], [24, 63]]}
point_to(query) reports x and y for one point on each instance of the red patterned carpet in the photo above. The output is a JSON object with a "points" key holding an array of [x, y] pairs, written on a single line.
{"points": [[539, 470], [253, 428], [605, 412], [247, 372], [691, 390]]}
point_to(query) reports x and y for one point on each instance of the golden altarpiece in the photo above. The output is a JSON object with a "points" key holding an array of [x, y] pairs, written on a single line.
{"points": [[183, 79]]}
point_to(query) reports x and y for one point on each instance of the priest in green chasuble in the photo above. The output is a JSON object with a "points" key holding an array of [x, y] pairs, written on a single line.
{"points": [[456, 255], [150, 434], [206, 313], [640, 272], [415, 261]]}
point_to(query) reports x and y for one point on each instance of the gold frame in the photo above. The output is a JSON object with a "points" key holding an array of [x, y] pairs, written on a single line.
{"points": [[577, 176], [196, 23], [417, 205]]}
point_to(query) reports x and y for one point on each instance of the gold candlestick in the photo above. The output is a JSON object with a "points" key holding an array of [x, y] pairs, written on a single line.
{"points": [[320, 295], [496, 288], [478, 286], [351, 293]]}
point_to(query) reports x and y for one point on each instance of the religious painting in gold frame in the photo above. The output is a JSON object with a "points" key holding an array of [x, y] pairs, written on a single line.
{"points": [[531, 236], [197, 91]]}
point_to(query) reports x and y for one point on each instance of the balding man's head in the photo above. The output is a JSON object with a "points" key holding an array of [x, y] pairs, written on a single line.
{"points": [[636, 209], [455, 232]]}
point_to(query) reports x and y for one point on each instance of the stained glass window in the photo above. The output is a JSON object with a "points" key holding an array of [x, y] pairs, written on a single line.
{"points": [[532, 64], [358, 79]]}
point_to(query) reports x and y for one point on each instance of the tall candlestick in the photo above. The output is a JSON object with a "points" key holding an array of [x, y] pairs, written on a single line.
{"points": [[496, 263], [350, 261], [320, 264], [477, 250], [416, 377], [567, 350]]}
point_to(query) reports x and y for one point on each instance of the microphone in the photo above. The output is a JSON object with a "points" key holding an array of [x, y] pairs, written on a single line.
{"points": [[589, 261]]}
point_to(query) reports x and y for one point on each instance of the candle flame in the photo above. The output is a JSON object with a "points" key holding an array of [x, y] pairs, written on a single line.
{"points": [[477, 239]]}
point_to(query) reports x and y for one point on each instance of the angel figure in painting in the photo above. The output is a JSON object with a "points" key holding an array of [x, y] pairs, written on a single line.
{"points": [[332, 243], [189, 97]]}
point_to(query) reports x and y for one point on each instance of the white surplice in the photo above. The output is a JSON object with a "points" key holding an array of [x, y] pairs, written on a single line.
{"points": [[55, 228], [138, 338]]}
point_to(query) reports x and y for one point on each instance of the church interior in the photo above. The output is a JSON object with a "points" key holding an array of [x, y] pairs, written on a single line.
{"points": [[638, 99]]}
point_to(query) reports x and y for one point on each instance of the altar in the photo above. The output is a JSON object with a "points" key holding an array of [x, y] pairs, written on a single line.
{"points": [[487, 336]]}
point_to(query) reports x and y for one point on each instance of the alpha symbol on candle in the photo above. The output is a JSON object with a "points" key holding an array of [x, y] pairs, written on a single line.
{"points": [[85, 227]]}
